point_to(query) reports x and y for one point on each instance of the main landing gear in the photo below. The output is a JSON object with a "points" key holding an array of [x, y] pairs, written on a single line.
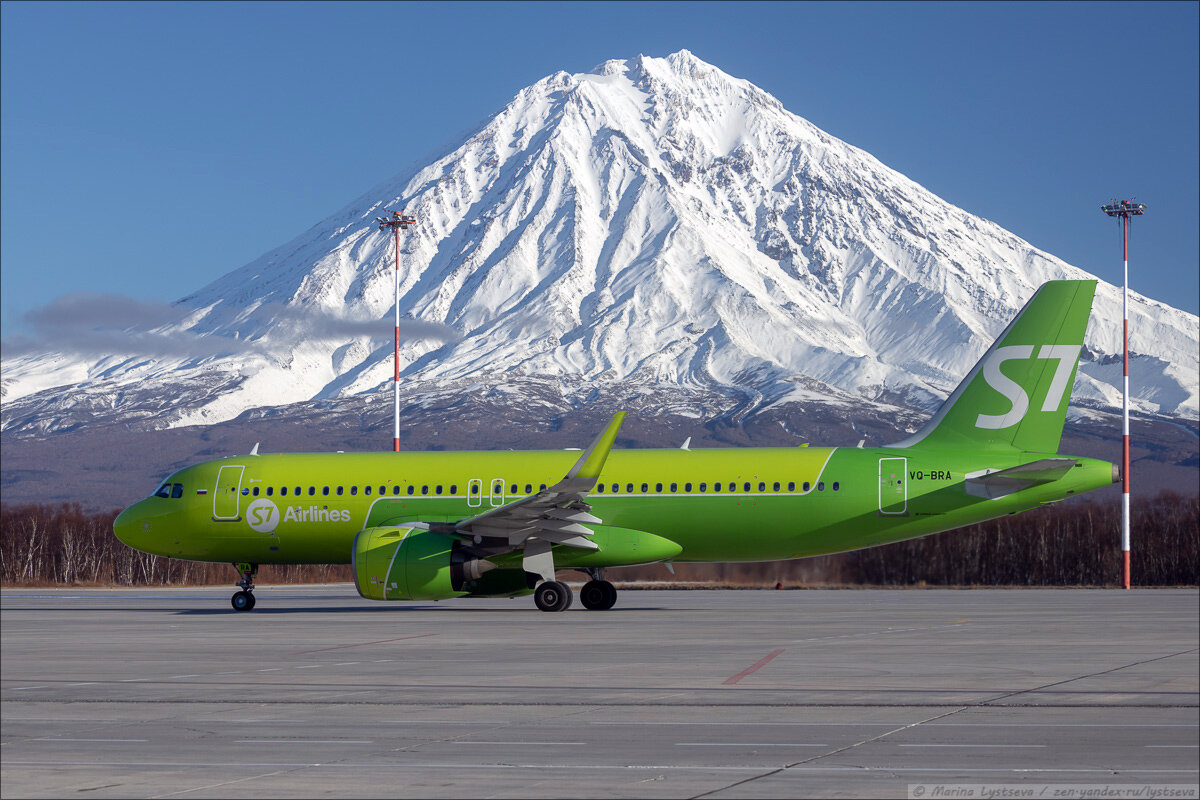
{"points": [[244, 599], [596, 595], [552, 596]]}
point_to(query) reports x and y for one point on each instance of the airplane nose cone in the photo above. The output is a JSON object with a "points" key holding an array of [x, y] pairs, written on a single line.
{"points": [[127, 525]]}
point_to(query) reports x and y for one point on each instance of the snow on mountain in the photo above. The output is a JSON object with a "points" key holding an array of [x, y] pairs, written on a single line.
{"points": [[655, 227]]}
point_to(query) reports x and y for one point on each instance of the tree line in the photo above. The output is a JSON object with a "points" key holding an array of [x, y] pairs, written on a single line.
{"points": [[1073, 544]]}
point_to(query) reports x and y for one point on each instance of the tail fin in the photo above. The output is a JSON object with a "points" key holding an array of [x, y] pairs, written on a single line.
{"points": [[1017, 395]]}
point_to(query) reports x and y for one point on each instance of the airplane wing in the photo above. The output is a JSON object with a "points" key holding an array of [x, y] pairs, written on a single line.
{"points": [[556, 515], [994, 484]]}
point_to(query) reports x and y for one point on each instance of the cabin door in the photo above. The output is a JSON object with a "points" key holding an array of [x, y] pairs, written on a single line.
{"points": [[225, 498], [893, 490]]}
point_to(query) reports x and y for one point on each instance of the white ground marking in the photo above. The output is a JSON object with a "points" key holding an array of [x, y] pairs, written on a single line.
{"points": [[305, 741], [540, 744], [64, 739], [744, 744], [973, 745]]}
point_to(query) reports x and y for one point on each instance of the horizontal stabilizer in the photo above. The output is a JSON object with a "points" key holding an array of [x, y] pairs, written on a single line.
{"points": [[994, 484]]}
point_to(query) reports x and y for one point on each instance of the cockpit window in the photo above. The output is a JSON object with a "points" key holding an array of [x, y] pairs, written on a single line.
{"points": [[163, 491], [176, 491]]}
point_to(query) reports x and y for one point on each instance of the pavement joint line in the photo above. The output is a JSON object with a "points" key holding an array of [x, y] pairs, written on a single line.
{"points": [[878, 633], [217, 785], [623, 767], [846, 748], [1091, 675]]}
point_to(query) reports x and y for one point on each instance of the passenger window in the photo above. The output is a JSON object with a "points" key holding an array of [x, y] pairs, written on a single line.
{"points": [[424, 490], [674, 487], [658, 487], [366, 490], [270, 491], [177, 491], [762, 487], [513, 489], [807, 486], [791, 486], [629, 488], [411, 488], [255, 492], [776, 485], [283, 491], [704, 487], [543, 488], [616, 488], [325, 491], [529, 488], [297, 491], [820, 486], [312, 490], [716, 487], [645, 488], [339, 490], [746, 488], [396, 489], [353, 490], [454, 488], [437, 489], [600, 488], [687, 487], [474, 489], [383, 490], [836, 486]]}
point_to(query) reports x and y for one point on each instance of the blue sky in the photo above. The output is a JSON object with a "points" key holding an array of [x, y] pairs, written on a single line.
{"points": [[149, 148]]}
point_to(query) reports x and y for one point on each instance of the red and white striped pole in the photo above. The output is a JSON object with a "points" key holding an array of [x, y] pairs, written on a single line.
{"points": [[1125, 209], [396, 352], [397, 221]]}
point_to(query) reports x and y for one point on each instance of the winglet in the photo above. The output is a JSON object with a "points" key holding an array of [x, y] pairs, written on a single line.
{"points": [[592, 461], [254, 450]]}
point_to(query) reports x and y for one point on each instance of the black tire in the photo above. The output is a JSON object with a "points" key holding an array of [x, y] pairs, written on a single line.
{"points": [[242, 601], [598, 595], [253, 601], [552, 596]]}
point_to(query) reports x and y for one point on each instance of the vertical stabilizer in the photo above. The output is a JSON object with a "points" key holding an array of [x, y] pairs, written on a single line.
{"points": [[1017, 395]]}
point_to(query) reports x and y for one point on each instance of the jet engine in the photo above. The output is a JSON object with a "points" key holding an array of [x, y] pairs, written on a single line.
{"points": [[398, 563]]}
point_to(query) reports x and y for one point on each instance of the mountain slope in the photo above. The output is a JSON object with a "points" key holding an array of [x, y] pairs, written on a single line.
{"points": [[654, 229]]}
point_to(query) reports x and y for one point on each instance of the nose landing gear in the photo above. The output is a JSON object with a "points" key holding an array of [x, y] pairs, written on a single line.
{"points": [[244, 600]]}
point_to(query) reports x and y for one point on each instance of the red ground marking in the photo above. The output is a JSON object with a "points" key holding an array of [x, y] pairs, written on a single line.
{"points": [[750, 670], [360, 644]]}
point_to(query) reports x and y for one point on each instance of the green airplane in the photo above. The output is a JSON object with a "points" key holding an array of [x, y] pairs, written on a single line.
{"points": [[436, 525]]}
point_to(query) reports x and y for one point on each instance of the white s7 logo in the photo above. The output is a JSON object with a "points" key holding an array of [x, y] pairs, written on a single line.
{"points": [[1065, 354]]}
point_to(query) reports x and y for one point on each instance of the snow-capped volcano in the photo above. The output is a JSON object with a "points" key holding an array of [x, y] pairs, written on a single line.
{"points": [[654, 227]]}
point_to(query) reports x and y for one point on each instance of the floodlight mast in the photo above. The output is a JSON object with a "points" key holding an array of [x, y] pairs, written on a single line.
{"points": [[397, 222], [1124, 210]]}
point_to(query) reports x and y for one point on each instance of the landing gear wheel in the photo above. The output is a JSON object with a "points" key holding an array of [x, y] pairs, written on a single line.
{"points": [[552, 596], [598, 595], [242, 601]]}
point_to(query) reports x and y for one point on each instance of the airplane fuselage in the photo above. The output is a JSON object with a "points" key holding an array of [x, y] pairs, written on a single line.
{"points": [[743, 504]]}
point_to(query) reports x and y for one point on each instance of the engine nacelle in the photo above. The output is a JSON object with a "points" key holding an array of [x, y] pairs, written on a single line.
{"points": [[413, 564]]}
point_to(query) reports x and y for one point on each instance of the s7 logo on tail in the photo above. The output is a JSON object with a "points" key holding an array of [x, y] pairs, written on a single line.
{"points": [[1065, 354]]}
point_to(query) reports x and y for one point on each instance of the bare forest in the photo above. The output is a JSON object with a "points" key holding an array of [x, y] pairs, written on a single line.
{"points": [[1073, 544]]}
